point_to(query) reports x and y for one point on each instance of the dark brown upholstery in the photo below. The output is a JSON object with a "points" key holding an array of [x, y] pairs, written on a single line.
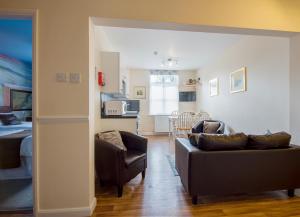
{"points": [[238, 171], [218, 142], [116, 166], [269, 141]]}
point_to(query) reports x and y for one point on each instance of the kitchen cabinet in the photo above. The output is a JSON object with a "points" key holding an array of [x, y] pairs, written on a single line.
{"points": [[115, 78], [123, 124]]}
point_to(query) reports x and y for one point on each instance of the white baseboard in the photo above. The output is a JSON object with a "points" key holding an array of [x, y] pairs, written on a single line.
{"points": [[152, 133], [93, 205], [69, 212]]}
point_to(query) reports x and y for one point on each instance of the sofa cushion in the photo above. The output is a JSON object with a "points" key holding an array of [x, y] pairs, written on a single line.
{"points": [[113, 137], [210, 126], [133, 156], [219, 142], [269, 141]]}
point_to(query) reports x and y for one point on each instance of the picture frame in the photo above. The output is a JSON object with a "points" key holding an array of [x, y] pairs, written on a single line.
{"points": [[214, 87], [238, 80], [139, 92]]}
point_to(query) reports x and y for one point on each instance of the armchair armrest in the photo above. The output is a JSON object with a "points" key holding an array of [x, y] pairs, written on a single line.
{"points": [[109, 160], [134, 142]]}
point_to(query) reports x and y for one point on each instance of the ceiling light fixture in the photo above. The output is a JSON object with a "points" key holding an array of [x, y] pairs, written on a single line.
{"points": [[170, 62]]}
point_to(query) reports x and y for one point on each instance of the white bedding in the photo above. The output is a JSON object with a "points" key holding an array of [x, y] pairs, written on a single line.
{"points": [[10, 129], [26, 147], [22, 126]]}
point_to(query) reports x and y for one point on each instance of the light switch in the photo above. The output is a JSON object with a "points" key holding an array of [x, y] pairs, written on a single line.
{"points": [[61, 77], [75, 77]]}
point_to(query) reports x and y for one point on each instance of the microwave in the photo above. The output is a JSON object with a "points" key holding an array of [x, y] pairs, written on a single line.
{"points": [[115, 107]]}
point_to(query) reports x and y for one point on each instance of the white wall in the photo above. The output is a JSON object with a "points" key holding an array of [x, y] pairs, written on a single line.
{"points": [[265, 105], [295, 88], [140, 77], [101, 43]]}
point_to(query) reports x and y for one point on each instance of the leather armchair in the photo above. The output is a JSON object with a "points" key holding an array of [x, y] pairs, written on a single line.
{"points": [[116, 166], [198, 128]]}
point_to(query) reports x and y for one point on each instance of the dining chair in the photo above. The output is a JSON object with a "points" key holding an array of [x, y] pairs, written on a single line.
{"points": [[172, 124], [174, 113], [201, 116], [184, 124]]}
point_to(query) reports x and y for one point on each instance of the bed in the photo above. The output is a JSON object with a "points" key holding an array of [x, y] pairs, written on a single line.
{"points": [[18, 138]]}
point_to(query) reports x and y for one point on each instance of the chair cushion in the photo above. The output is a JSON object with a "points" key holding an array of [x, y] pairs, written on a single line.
{"points": [[133, 156], [210, 126], [269, 141], [113, 137]]}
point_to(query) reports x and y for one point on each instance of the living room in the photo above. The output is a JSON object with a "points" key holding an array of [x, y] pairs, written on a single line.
{"points": [[197, 58], [64, 112], [258, 105]]}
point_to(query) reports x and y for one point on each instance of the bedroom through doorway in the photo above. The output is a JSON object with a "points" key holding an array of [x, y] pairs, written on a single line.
{"points": [[16, 158]]}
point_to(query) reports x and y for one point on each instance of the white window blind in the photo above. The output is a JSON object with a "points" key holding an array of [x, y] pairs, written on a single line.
{"points": [[163, 92]]}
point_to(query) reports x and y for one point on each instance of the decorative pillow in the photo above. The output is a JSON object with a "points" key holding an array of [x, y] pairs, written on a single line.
{"points": [[210, 127], [221, 142], [114, 138], [9, 119], [269, 141]]}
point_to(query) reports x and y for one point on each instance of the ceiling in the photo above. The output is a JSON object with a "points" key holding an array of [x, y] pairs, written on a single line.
{"points": [[16, 38], [137, 46]]}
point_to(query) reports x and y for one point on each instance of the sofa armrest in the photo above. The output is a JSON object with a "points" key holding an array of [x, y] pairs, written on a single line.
{"points": [[134, 142], [183, 151], [109, 160]]}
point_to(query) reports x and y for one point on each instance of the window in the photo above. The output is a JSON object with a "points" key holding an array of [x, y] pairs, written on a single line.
{"points": [[163, 92]]}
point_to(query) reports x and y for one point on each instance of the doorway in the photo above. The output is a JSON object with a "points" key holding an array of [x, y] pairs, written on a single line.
{"points": [[17, 112]]}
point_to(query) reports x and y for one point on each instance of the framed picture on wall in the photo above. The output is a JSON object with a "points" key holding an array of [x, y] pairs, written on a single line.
{"points": [[214, 87], [238, 80], [139, 92]]}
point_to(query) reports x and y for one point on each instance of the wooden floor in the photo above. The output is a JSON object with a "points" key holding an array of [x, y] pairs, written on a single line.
{"points": [[162, 194]]}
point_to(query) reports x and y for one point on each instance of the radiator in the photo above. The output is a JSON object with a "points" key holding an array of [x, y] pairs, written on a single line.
{"points": [[161, 124]]}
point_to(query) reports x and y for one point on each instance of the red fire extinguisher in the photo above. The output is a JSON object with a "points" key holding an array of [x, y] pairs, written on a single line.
{"points": [[100, 79]]}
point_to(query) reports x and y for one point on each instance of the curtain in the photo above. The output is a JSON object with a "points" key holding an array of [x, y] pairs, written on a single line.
{"points": [[163, 92]]}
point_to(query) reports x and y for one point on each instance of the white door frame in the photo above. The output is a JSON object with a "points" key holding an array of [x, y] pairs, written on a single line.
{"points": [[32, 14]]}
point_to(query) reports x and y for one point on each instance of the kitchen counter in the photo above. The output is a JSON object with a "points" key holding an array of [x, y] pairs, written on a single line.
{"points": [[119, 116], [129, 122]]}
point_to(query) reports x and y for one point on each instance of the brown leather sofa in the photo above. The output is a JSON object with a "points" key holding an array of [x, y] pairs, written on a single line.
{"points": [[115, 166], [236, 171]]}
